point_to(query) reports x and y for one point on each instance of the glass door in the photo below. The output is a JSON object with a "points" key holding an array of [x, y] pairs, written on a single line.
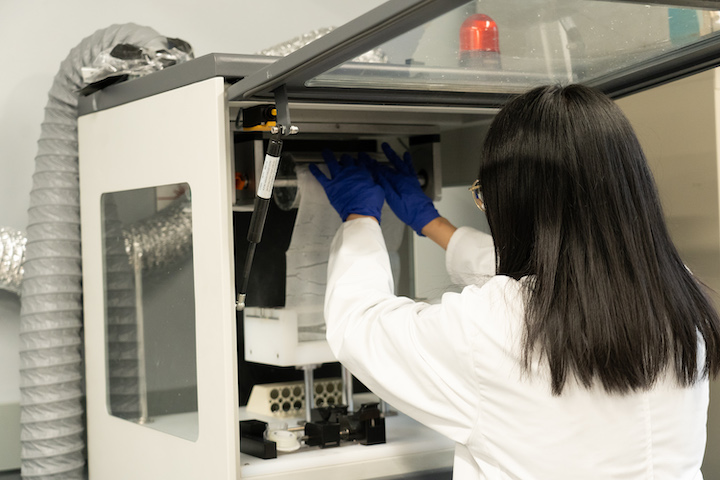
{"points": [[480, 52]]}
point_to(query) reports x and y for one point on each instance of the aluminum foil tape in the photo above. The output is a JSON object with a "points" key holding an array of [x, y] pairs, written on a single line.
{"points": [[286, 48], [12, 255]]}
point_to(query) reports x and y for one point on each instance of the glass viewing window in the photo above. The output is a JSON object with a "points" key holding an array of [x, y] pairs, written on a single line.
{"points": [[150, 308]]}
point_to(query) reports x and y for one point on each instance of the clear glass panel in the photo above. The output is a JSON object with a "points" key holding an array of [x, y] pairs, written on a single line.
{"points": [[150, 308], [517, 44]]}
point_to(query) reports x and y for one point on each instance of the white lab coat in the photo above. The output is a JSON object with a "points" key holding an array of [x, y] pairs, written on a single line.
{"points": [[456, 368]]}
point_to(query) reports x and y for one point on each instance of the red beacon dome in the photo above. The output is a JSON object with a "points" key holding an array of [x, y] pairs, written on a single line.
{"points": [[479, 45]]}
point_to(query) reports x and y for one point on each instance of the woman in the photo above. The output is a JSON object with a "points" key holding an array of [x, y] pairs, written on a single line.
{"points": [[586, 355]]}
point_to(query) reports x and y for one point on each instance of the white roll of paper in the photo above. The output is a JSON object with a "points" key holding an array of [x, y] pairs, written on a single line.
{"points": [[307, 256]]}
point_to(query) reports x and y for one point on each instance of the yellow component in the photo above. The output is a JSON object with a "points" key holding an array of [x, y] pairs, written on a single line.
{"points": [[273, 112], [263, 127]]}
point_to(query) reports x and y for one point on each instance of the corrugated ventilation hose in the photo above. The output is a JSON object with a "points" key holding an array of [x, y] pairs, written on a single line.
{"points": [[51, 359]]}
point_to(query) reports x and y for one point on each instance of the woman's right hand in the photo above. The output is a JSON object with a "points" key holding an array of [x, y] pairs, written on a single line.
{"points": [[403, 192], [350, 188]]}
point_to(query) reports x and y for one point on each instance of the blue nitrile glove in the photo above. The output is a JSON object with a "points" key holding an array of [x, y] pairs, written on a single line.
{"points": [[351, 188], [402, 189]]}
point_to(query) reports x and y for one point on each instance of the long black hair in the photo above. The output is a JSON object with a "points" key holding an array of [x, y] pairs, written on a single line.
{"points": [[572, 206]]}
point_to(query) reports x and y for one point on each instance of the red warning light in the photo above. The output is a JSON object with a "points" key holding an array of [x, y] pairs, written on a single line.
{"points": [[479, 45], [479, 32]]}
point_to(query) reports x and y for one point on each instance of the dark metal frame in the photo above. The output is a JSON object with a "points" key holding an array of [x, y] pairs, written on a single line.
{"points": [[656, 71]]}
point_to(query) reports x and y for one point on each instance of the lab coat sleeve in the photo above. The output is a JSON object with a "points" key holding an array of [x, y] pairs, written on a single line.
{"points": [[470, 257], [417, 357]]}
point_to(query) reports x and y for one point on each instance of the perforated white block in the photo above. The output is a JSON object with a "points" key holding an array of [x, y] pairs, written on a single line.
{"points": [[287, 399]]}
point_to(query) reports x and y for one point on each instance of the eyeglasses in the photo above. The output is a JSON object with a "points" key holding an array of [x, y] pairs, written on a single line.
{"points": [[476, 190]]}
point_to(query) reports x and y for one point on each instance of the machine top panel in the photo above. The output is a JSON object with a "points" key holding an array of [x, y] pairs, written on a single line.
{"points": [[229, 66]]}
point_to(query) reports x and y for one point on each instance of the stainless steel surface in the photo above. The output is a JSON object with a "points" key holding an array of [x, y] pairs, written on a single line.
{"points": [[678, 127], [137, 263], [308, 372], [240, 303], [347, 394]]}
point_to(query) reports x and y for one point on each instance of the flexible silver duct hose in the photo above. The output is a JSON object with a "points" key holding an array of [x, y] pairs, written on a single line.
{"points": [[165, 238], [376, 55], [51, 360], [12, 255]]}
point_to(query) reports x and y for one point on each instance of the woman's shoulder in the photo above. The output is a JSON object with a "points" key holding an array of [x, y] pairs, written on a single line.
{"points": [[497, 300], [491, 318], [499, 285]]}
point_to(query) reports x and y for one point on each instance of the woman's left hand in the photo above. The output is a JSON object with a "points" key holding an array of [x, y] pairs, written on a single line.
{"points": [[350, 188]]}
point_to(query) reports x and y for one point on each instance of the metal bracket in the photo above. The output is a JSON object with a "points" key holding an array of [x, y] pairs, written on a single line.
{"points": [[284, 127]]}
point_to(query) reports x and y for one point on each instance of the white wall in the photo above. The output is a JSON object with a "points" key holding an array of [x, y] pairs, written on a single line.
{"points": [[37, 35]]}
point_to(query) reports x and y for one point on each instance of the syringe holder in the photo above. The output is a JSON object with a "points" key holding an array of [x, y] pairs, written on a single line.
{"points": [[253, 441]]}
